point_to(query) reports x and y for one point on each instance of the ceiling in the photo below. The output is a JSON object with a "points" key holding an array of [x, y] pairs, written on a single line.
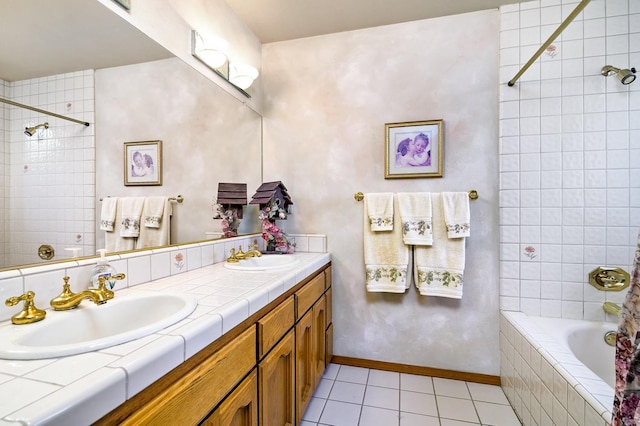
{"points": [[278, 20], [41, 38]]}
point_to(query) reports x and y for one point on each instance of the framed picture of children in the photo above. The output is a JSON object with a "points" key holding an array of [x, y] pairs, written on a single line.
{"points": [[414, 149], [143, 163]]}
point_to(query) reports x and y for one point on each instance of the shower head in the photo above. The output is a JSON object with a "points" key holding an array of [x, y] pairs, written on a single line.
{"points": [[29, 131], [626, 76]]}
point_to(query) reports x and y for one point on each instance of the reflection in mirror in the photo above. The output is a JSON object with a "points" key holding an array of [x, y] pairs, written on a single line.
{"points": [[50, 180]]}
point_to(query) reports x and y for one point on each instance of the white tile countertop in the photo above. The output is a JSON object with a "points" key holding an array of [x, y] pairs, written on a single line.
{"points": [[80, 389]]}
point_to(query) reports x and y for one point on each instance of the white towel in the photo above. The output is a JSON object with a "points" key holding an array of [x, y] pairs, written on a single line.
{"points": [[386, 257], [456, 214], [108, 213], [160, 236], [130, 212], [152, 211], [414, 209], [438, 269], [379, 208], [113, 241]]}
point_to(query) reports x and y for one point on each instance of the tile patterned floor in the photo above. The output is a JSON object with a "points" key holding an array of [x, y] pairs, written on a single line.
{"points": [[353, 396]]}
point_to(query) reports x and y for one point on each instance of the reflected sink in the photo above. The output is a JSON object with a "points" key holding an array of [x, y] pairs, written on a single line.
{"points": [[264, 263], [91, 327]]}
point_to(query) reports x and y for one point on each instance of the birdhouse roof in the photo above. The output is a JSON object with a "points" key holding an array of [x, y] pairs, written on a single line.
{"points": [[269, 190], [232, 193]]}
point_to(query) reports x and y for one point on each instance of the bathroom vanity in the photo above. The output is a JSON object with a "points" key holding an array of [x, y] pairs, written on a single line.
{"points": [[257, 340]]}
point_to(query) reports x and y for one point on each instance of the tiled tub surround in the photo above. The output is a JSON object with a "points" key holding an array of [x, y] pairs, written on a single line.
{"points": [[82, 388], [544, 382]]}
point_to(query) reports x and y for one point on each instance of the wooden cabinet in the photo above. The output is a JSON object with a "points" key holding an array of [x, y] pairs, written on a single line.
{"points": [[263, 372], [240, 408], [277, 384]]}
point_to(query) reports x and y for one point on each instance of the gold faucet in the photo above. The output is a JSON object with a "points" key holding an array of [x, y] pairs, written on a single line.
{"points": [[70, 300], [612, 308], [237, 256], [29, 311]]}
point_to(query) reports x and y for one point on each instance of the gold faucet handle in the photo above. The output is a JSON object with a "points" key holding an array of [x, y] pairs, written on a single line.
{"points": [[240, 252], [253, 246], [102, 279], [233, 257], [29, 313]]}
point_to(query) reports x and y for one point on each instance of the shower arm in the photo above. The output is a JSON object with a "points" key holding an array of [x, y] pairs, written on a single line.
{"points": [[550, 40], [53, 114]]}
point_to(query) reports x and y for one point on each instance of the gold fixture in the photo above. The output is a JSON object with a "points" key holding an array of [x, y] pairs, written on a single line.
{"points": [[609, 279], [237, 256], [29, 313], [626, 76], [179, 199], [46, 252], [473, 195], [41, 111], [610, 338], [552, 37], [70, 300], [612, 308]]}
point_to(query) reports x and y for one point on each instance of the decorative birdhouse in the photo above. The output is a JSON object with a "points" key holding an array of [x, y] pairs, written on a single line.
{"points": [[272, 192], [232, 196]]}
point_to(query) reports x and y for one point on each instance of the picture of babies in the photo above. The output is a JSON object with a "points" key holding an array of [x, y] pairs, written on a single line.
{"points": [[414, 152], [142, 165]]}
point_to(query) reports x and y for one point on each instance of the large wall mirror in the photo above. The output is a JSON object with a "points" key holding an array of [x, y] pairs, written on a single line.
{"points": [[78, 58]]}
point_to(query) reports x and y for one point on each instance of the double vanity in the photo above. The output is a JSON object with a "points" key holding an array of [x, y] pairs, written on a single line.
{"points": [[212, 343]]}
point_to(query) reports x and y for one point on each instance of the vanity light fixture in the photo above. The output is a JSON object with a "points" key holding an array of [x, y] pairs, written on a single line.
{"points": [[242, 75], [626, 76], [212, 52]]}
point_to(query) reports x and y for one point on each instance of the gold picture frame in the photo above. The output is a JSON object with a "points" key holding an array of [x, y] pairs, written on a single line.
{"points": [[414, 149], [143, 163]]}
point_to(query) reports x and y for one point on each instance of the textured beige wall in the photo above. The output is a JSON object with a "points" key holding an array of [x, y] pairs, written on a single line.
{"points": [[326, 102], [208, 137]]}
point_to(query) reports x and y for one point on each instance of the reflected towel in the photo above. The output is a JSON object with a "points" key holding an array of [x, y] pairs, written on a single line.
{"points": [[108, 213], [386, 257], [456, 214], [113, 241], [130, 212], [379, 208], [152, 211], [414, 209], [156, 236], [438, 269]]}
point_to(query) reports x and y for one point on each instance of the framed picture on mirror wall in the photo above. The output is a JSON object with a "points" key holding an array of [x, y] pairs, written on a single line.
{"points": [[143, 163], [414, 149]]}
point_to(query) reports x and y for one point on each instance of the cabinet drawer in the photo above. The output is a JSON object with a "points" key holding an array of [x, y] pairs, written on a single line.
{"points": [[307, 296], [193, 396], [274, 325]]}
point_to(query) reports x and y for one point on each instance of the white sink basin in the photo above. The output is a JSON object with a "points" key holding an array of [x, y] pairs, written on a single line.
{"points": [[264, 263], [91, 327]]}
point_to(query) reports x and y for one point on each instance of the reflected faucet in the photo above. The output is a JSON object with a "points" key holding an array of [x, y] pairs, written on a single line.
{"points": [[70, 300], [612, 308]]}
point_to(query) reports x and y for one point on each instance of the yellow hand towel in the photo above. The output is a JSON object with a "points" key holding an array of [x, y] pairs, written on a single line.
{"points": [[156, 236], [386, 257], [456, 214], [415, 213], [379, 207], [438, 269]]}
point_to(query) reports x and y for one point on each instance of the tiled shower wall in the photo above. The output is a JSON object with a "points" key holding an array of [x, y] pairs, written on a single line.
{"points": [[50, 177], [569, 155]]}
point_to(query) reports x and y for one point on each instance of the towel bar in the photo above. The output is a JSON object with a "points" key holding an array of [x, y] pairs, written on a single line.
{"points": [[179, 199], [473, 195]]}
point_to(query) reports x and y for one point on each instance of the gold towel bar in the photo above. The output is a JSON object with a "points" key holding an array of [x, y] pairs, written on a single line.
{"points": [[473, 195], [179, 199]]}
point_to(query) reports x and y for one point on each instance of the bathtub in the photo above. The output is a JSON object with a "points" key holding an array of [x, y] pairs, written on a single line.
{"points": [[557, 371]]}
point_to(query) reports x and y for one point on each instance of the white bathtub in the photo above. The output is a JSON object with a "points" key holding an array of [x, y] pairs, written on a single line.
{"points": [[557, 371]]}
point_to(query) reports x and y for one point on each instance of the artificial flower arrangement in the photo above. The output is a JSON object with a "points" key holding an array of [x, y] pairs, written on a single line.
{"points": [[230, 221], [275, 238]]}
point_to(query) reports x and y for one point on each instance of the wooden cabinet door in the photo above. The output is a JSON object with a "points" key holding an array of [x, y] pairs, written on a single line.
{"points": [[240, 408], [319, 327], [305, 363], [276, 379]]}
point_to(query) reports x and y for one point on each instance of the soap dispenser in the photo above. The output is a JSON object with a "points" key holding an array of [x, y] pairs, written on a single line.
{"points": [[103, 268]]}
